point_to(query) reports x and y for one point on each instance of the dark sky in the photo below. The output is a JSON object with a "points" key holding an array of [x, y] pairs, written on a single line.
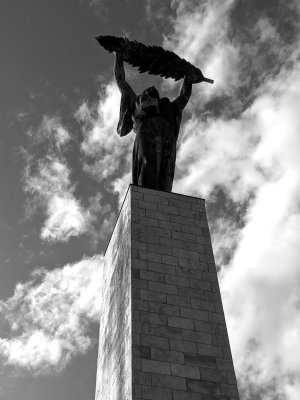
{"points": [[64, 172]]}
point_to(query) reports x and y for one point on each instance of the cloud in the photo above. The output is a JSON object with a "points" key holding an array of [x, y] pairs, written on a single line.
{"points": [[48, 318], [198, 35], [264, 274], [103, 217], [48, 184], [242, 154], [50, 131], [65, 218], [106, 156]]}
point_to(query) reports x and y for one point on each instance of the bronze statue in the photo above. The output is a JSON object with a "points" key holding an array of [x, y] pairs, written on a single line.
{"points": [[155, 120]]}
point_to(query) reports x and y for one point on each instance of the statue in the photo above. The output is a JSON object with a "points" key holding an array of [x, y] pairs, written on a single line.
{"points": [[155, 120]]}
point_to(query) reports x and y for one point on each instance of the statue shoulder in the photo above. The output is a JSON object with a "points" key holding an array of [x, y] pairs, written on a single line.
{"points": [[165, 104], [168, 106], [165, 101]]}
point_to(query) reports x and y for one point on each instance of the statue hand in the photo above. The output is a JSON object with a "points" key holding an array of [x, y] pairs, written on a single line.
{"points": [[189, 79], [119, 56]]}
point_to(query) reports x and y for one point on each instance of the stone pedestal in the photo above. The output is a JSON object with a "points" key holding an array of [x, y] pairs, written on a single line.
{"points": [[163, 334]]}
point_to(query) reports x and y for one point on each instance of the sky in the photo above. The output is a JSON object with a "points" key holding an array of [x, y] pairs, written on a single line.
{"points": [[64, 172]]}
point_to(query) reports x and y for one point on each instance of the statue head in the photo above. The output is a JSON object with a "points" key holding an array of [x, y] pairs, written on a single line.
{"points": [[152, 92], [148, 100]]}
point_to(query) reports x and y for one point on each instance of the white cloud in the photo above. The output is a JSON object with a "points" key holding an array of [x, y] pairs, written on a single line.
{"points": [[106, 155], [266, 31], [51, 130], [49, 316], [200, 36], [253, 156], [225, 232], [49, 185], [66, 218], [120, 186], [218, 152], [262, 282], [264, 278]]}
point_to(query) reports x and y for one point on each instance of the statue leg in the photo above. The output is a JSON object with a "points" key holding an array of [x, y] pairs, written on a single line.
{"points": [[145, 162], [167, 165]]}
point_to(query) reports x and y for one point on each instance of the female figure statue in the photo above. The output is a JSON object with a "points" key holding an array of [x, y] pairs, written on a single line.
{"points": [[156, 122]]}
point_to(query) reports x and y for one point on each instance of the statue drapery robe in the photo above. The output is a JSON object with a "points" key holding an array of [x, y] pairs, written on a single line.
{"points": [[157, 129]]}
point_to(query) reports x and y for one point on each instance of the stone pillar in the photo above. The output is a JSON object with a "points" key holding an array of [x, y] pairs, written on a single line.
{"points": [[163, 334]]}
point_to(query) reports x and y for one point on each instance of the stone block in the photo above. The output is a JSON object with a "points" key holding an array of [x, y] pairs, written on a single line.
{"points": [[175, 243], [177, 280], [192, 293], [189, 263], [147, 205], [183, 346], [209, 327], [203, 305], [155, 341], [204, 387], [156, 393], [179, 300], [141, 351], [194, 314], [162, 288], [201, 284], [156, 366], [187, 237], [157, 215], [186, 371], [159, 231], [189, 255], [152, 276], [163, 308], [189, 273], [142, 378], [229, 390], [154, 318], [184, 395], [170, 332], [167, 355], [153, 296], [166, 259], [213, 375], [172, 382], [163, 268], [140, 305], [197, 337], [155, 199], [160, 248], [209, 350], [183, 323], [200, 360], [172, 226], [169, 209]]}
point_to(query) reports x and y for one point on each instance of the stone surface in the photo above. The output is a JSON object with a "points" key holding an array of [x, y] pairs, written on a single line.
{"points": [[114, 369], [163, 333]]}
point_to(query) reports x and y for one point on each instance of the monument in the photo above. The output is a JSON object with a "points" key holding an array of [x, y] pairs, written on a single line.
{"points": [[163, 333]]}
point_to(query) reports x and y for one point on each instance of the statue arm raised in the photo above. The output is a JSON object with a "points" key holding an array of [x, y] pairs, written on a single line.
{"points": [[185, 94], [128, 97], [120, 74]]}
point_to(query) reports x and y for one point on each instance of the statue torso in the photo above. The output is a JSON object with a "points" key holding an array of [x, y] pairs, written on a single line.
{"points": [[156, 118]]}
